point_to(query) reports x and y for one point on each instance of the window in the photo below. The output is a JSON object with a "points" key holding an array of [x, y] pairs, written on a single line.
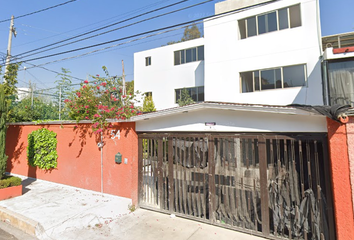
{"points": [[273, 21], [341, 82], [196, 93], [189, 55], [147, 61], [282, 77]]}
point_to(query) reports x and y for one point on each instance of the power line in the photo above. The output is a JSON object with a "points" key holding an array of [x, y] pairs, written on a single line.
{"points": [[196, 21], [131, 24], [89, 25], [42, 10], [110, 25]]}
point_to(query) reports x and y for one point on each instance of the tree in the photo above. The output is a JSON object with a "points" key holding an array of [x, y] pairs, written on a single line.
{"points": [[148, 105], [24, 111], [191, 32], [185, 99], [100, 100], [10, 79], [64, 91], [3, 116]]}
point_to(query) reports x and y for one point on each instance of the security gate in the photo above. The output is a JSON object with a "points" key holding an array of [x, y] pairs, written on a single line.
{"points": [[267, 185]]}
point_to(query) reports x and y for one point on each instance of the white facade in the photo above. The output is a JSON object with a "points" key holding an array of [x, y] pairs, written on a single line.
{"points": [[162, 77], [226, 55]]}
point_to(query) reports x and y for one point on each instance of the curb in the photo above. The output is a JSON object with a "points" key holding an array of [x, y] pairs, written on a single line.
{"points": [[20, 222]]}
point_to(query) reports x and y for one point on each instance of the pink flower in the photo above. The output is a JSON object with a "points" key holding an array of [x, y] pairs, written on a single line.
{"points": [[84, 86], [98, 87], [114, 88], [103, 84], [86, 117], [87, 106], [85, 81]]}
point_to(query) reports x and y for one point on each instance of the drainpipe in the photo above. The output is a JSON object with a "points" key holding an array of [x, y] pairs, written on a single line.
{"points": [[100, 145]]}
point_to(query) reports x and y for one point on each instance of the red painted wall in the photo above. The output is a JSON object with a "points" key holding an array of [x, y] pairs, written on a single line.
{"points": [[79, 158], [342, 196], [350, 140]]}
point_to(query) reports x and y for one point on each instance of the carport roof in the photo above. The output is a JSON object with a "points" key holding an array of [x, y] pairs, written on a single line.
{"points": [[289, 110]]}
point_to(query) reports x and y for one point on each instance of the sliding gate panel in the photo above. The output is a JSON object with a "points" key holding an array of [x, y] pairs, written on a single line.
{"points": [[267, 185]]}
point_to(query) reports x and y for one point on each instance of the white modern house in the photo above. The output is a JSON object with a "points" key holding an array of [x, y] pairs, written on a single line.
{"points": [[257, 52], [240, 157]]}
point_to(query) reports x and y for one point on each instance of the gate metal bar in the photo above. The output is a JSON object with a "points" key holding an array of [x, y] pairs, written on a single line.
{"points": [[264, 184]]}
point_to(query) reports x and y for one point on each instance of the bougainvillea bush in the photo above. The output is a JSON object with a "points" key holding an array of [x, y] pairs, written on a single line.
{"points": [[102, 99]]}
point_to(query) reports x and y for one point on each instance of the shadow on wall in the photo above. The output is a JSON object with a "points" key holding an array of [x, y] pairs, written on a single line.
{"points": [[199, 74], [14, 150], [312, 93], [81, 132]]}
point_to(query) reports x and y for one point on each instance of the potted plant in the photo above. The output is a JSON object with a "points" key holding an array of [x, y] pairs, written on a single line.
{"points": [[10, 187]]}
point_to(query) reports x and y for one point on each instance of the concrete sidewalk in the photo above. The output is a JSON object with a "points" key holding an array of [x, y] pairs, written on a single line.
{"points": [[58, 212]]}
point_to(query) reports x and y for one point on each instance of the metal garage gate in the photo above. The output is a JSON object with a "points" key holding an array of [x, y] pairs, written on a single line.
{"points": [[268, 185]]}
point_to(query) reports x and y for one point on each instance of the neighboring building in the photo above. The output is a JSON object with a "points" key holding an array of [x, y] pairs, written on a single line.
{"points": [[262, 54], [338, 69]]}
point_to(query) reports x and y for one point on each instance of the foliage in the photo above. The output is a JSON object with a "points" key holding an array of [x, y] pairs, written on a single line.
{"points": [[185, 99], [64, 91], [3, 116], [148, 105], [24, 111], [41, 149], [100, 100], [10, 79], [190, 32], [10, 181]]}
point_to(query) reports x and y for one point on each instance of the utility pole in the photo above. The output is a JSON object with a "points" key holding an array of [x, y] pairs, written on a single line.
{"points": [[60, 103], [8, 54], [123, 93]]}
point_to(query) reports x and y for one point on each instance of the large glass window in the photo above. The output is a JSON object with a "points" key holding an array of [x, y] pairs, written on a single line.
{"points": [[269, 22], [196, 93], [282, 77], [341, 82], [189, 55]]}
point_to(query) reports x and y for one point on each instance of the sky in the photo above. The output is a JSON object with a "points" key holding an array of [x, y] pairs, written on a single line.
{"points": [[80, 16]]}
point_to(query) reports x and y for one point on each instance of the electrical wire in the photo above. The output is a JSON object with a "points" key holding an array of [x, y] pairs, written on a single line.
{"points": [[63, 33], [131, 24], [196, 21], [110, 25], [42, 10]]}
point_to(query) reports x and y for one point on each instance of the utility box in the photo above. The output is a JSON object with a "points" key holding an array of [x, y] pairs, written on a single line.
{"points": [[118, 158]]}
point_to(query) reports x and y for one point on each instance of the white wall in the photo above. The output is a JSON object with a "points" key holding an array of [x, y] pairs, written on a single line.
{"points": [[226, 55], [233, 121], [162, 77]]}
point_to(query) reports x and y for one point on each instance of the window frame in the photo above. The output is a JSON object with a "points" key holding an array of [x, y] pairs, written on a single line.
{"points": [[244, 22], [148, 61], [196, 88], [181, 55], [305, 83]]}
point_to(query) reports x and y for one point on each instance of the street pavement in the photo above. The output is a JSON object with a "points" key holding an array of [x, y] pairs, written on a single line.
{"points": [[51, 211]]}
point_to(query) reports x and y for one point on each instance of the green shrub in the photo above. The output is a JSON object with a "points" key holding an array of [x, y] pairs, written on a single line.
{"points": [[10, 181], [42, 149]]}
